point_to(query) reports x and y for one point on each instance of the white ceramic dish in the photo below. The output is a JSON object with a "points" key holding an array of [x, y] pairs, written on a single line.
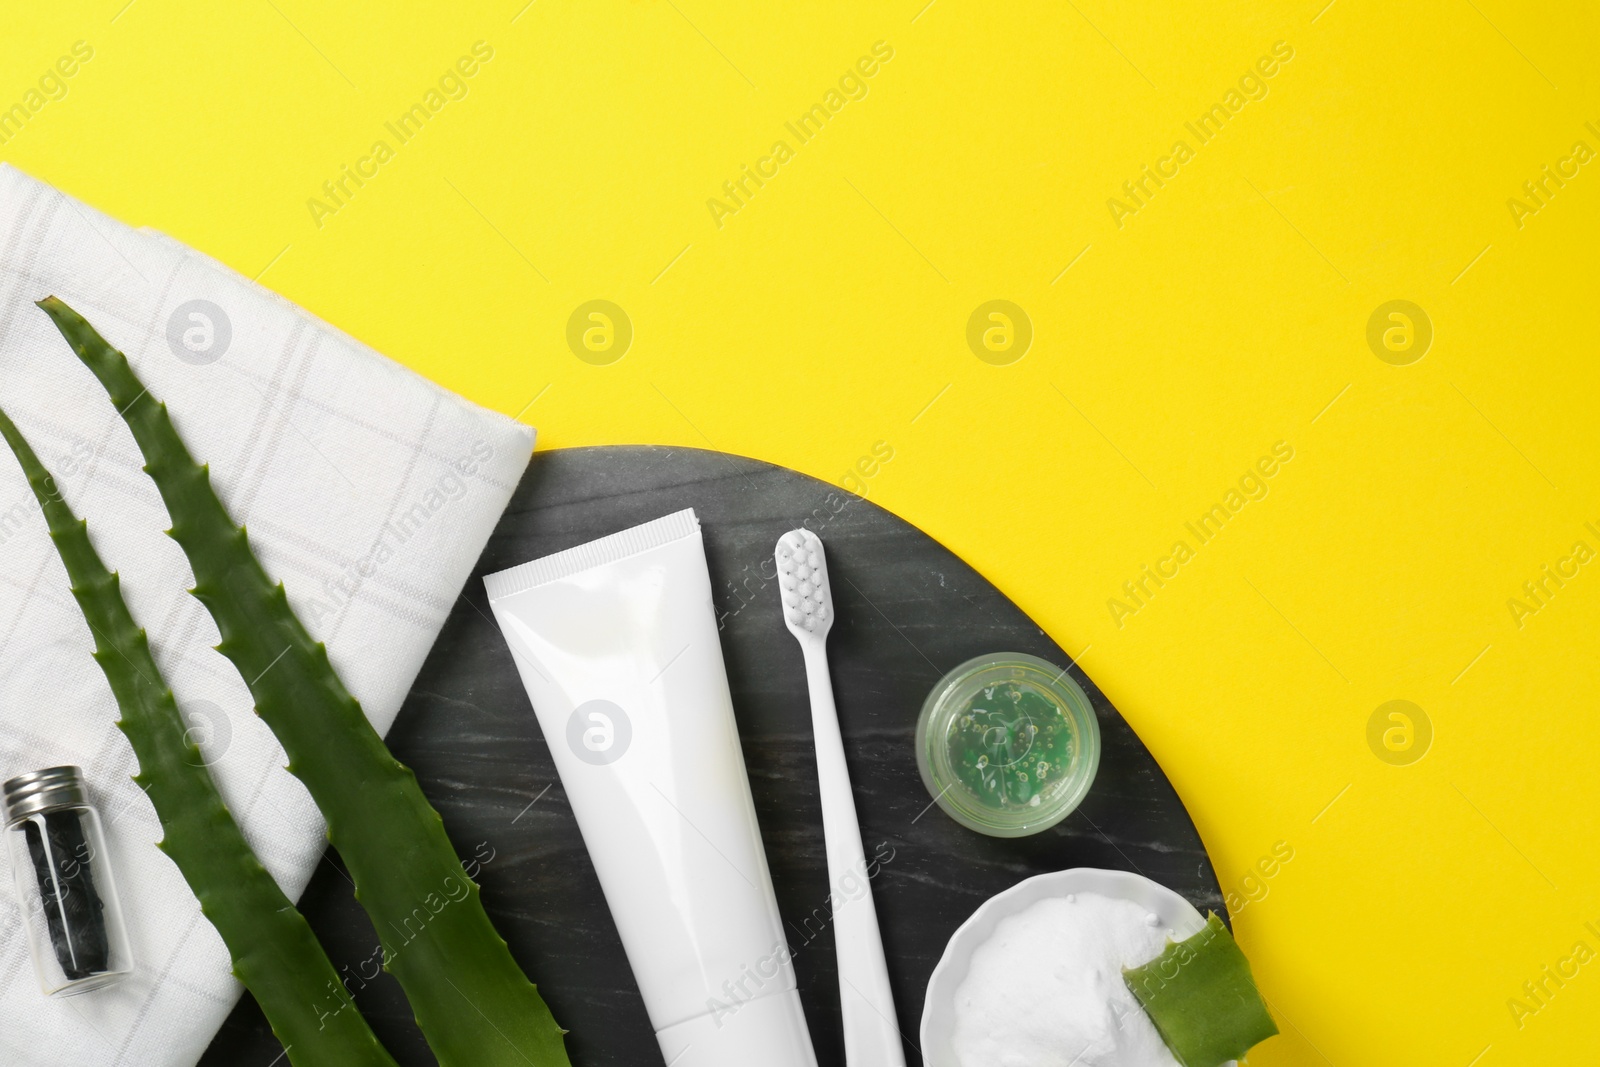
{"points": [[938, 1009]]}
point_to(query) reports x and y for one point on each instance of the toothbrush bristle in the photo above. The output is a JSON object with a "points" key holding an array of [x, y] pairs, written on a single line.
{"points": [[802, 580]]}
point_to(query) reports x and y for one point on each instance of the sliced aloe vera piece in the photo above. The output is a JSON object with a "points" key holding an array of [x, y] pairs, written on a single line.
{"points": [[1200, 994]]}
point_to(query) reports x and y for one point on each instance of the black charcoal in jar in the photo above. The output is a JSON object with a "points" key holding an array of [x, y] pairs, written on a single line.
{"points": [[64, 882], [63, 863]]}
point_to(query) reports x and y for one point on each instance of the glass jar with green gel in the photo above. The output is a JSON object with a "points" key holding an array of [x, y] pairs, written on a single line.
{"points": [[1008, 744]]}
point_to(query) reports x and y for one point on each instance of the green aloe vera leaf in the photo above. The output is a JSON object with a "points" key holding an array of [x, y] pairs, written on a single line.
{"points": [[1202, 998], [472, 1001], [274, 952]]}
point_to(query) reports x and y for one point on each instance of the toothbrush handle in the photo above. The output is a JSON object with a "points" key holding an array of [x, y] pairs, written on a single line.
{"points": [[871, 1033]]}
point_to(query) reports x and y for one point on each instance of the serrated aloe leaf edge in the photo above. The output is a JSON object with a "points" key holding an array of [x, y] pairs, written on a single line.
{"points": [[472, 1001], [274, 952]]}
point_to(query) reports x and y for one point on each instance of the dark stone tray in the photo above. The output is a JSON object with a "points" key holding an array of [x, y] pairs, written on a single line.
{"points": [[908, 610]]}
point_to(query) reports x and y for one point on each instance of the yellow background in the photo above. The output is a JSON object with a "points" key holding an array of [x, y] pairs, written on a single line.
{"points": [[830, 312]]}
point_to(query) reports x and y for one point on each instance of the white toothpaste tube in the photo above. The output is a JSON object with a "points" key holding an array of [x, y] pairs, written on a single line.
{"points": [[616, 641]]}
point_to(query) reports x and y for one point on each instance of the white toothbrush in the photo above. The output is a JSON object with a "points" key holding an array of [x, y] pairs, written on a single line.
{"points": [[871, 1035]]}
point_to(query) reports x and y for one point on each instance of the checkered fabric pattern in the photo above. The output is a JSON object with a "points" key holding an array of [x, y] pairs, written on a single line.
{"points": [[369, 491]]}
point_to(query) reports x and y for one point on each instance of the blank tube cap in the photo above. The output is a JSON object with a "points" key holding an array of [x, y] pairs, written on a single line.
{"points": [[769, 1031]]}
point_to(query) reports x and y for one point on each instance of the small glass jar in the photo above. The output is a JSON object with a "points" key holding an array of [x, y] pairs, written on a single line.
{"points": [[64, 885], [1008, 744]]}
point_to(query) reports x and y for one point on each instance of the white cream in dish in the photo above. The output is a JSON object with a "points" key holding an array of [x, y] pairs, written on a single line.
{"points": [[1046, 989]]}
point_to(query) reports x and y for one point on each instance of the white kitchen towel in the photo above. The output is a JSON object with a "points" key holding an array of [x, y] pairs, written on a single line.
{"points": [[368, 491]]}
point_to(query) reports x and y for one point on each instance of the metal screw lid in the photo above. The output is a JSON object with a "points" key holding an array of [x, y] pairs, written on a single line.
{"points": [[46, 790]]}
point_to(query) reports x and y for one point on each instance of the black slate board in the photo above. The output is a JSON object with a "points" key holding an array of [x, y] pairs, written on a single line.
{"points": [[908, 610]]}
